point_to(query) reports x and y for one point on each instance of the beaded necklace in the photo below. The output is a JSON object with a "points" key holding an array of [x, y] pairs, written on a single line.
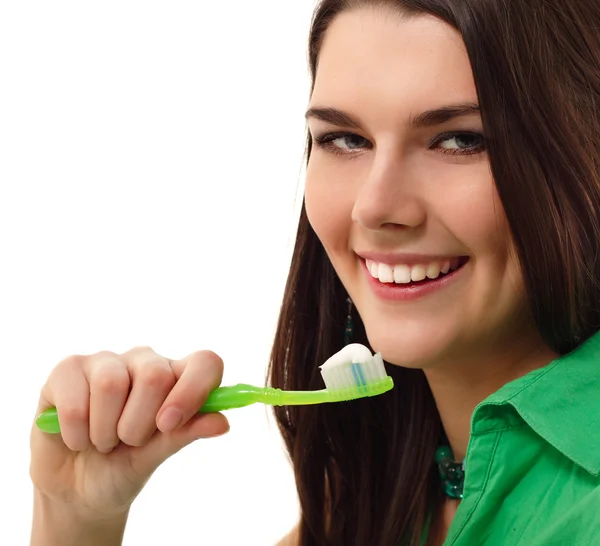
{"points": [[452, 474]]}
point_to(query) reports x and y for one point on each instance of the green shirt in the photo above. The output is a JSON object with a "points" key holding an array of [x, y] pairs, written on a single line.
{"points": [[532, 469]]}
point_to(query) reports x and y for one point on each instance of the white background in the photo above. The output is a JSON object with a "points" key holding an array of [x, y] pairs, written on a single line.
{"points": [[151, 173]]}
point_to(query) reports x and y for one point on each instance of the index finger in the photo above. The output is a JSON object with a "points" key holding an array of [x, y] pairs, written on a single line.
{"points": [[197, 376]]}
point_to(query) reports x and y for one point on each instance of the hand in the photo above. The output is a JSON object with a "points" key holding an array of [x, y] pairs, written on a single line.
{"points": [[121, 416]]}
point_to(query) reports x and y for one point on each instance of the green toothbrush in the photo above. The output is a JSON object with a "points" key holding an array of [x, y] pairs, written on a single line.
{"points": [[349, 374]]}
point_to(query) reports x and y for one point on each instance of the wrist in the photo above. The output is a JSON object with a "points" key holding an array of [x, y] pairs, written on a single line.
{"points": [[58, 524]]}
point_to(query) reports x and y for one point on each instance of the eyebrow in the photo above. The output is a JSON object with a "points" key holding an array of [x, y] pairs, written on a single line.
{"points": [[430, 118]]}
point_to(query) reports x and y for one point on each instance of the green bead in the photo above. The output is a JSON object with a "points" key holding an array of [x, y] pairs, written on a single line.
{"points": [[454, 490], [442, 452], [454, 473]]}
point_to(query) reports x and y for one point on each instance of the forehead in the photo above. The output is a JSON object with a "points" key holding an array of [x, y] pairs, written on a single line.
{"points": [[373, 56]]}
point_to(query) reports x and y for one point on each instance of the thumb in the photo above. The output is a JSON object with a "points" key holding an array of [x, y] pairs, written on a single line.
{"points": [[164, 444]]}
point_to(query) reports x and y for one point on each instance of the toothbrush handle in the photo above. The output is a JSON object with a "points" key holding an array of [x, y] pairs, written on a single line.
{"points": [[241, 395], [223, 398]]}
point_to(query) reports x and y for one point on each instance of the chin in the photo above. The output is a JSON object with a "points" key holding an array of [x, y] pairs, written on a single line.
{"points": [[410, 345]]}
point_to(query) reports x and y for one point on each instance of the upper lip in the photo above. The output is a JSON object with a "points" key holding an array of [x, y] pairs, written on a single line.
{"points": [[396, 258]]}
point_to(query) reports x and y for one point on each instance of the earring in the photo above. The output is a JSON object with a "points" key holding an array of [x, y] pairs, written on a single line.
{"points": [[349, 325]]}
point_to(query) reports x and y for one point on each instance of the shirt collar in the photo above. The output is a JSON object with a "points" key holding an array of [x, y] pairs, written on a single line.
{"points": [[561, 403]]}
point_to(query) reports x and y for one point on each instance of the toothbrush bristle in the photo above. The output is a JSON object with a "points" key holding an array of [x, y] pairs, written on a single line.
{"points": [[345, 376]]}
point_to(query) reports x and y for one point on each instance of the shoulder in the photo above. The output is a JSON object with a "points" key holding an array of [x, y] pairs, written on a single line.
{"points": [[291, 539]]}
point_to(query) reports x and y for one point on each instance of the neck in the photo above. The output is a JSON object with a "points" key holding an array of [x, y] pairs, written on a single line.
{"points": [[459, 388]]}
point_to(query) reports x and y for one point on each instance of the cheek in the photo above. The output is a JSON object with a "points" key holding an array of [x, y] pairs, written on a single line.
{"points": [[475, 216], [473, 213], [327, 205], [479, 221]]}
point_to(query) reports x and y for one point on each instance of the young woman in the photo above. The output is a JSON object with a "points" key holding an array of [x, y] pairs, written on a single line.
{"points": [[452, 209]]}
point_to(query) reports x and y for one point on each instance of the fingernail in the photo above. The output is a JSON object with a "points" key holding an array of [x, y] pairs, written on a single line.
{"points": [[169, 419]]}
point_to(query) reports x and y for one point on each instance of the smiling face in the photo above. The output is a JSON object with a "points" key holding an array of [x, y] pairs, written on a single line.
{"points": [[399, 169]]}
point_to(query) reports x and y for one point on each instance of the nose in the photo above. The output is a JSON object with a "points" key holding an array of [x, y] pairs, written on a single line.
{"points": [[388, 196]]}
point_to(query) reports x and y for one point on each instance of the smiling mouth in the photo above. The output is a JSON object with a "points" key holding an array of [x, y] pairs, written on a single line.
{"points": [[407, 276]]}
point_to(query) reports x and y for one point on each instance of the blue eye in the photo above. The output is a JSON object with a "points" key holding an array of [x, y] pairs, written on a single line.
{"points": [[348, 142], [342, 143], [457, 143]]}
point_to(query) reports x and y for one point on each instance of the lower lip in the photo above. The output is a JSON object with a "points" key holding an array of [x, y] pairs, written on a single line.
{"points": [[403, 292]]}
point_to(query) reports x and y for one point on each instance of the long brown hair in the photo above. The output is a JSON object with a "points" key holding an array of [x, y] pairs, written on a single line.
{"points": [[364, 469]]}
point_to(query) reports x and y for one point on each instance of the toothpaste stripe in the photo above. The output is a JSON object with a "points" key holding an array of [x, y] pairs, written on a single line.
{"points": [[357, 372]]}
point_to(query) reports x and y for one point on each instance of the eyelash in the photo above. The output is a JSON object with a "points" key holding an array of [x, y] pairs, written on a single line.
{"points": [[326, 142]]}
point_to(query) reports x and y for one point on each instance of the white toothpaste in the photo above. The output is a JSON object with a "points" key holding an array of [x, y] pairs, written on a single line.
{"points": [[354, 353], [353, 366]]}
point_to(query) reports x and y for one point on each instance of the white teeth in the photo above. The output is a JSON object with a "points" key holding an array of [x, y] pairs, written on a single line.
{"points": [[433, 271], [403, 274], [418, 273], [386, 273]]}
